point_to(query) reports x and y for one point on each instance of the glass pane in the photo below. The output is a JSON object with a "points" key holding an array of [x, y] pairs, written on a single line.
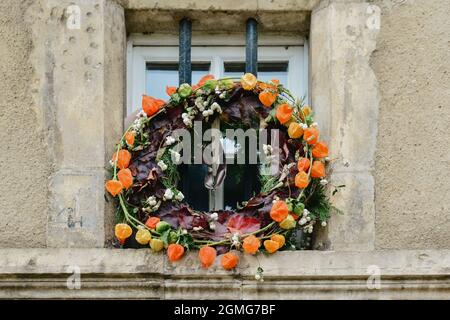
{"points": [[266, 70], [241, 181], [159, 75], [193, 187]]}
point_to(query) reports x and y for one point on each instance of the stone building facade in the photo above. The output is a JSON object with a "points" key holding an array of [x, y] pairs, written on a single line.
{"points": [[379, 83]]}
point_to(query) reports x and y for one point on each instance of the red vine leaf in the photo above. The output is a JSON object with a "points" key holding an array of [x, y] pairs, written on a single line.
{"points": [[242, 224]]}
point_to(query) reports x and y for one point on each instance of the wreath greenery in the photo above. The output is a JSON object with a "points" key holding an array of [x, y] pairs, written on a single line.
{"points": [[144, 177]]}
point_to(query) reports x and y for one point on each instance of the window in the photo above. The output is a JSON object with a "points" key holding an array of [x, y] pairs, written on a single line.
{"points": [[153, 64]]}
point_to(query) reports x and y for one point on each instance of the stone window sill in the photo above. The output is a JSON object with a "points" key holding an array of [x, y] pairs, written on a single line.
{"points": [[111, 273]]}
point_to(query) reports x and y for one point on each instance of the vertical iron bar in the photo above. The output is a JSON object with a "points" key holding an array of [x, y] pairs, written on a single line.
{"points": [[251, 47], [251, 65], [185, 67]]}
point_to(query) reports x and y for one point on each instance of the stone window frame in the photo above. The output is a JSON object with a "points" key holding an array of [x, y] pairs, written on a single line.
{"points": [[343, 92]]}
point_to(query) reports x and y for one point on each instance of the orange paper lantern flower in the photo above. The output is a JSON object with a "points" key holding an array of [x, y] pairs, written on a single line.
{"points": [[152, 222], [295, 130], [251, 244], [123, 159], [320, 150], [122, 231], [284, 113], [229, 261], [248, 81], [311, 135], [271, 246], [125, 177], [278, 238], [207, 255], [301, 180], [171, 90], [203, 80], [318, 170], [267, 97], [305, 111], [151, 105], [175, 252], [276, 81], [303, 164], [279, 211], [114, 187], [129, 138]]}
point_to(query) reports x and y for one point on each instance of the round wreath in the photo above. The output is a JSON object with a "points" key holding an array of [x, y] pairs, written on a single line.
{"points": [[145, 175]]}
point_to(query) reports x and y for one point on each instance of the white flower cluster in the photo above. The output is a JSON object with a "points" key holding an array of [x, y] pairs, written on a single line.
{"points": [[162, 165], [215, 107], [235, 240], [169, 194], [138, 123], [189, 115], [267, 148], [268, 152], [169, 141], [306, 222], [176, 157], [212, 220], [200, 104], [153, 204]]}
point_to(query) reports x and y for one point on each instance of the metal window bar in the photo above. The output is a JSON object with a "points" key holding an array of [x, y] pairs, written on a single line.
{"points": [[185, 70], [251, 47]]}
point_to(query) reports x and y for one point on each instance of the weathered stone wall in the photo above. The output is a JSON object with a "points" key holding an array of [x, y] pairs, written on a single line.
{"points": [[62, 100], [25, 164], [412, 66], [50, 74]]}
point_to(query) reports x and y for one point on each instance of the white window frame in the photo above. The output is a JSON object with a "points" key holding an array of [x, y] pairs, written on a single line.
{"points": [[215, 49]]}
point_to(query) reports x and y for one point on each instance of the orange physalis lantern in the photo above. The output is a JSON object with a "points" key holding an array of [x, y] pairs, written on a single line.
{"points": [[152, 222], [151, 105], [279, 211], [229, 260], [129, 138], [275, 81], [301, 180], [267, 98], [248, 81], [311, 135], [284, 113], [175, 252], [204, 79], [295, 130], [122, 231], [278, 238], [125, 178], [114, 187], [318, 170], [271, 246], [123, 160], [251, 244], [305, 111], [303, 164], [207, 256], [170, 90], [320, 150]]}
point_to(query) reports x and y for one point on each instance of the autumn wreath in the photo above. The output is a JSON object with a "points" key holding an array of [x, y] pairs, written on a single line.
{"points": [[151, 210]]}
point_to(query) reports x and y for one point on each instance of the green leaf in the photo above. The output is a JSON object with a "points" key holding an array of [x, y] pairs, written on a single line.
{"points": [[165, 236]]}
